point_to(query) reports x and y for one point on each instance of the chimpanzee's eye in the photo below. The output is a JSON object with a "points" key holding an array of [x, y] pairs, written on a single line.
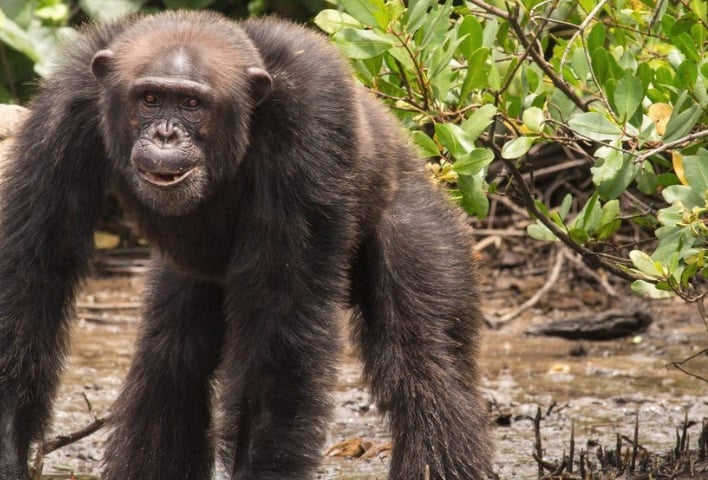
{"points": [[150, 99], [191, 103]]}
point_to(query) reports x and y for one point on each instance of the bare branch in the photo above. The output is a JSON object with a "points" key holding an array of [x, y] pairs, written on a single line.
{"points": [[670, 145]]}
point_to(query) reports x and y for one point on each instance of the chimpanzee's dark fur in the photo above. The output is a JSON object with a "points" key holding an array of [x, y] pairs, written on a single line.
{"points": [[300, 197]]}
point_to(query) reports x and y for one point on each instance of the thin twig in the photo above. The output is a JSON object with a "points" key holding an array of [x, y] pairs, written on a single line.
{"points": [[580, 30], [538, 59], [679, 365], [542, 172], [702, 311], [592, 274], [499, 232], [552, 279], [588, 256], [667, 146], [538, 446], [491, 9], [600, 91], [494, 240], [539, 30], [571, 451], [60, 441], [108, 306], [421, 77], [48, 446], [108, 319]]}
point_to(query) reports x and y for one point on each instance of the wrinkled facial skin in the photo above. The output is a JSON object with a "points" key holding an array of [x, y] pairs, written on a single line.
{"points": [[168, 111], [181, 115], [169, 118]]}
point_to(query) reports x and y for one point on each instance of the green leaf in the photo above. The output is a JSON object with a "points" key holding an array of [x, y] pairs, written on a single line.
{"points": [[404, 58], [596, 37], [517, 147], [533, 119], [111, 9], [188, 4], [645, 264], [332, 21], [682, 120], [436, 26], [440, 60], [542, 208], [700, 8], [362, 44], [579, 235], [628, 96], [595, 126], [642, 288], [647, 181], [687, 75], [685, 43], [541, 232], [667, 24], [645, 74], [670, 216], [477, 72], [663, 77], [560, 107], [368, 12], [627, 62], [454, 139], [610, 211], [56, 13], [471, 29], [696, 171], [565, 206], [473, 162], [588, 219], [689, 197], [11, 34], [478, 122], [600, 65], [579, 64], [690, 272], [417, 14], [474, 198], [508, 69], [489, 34], [613, 174], [609, 221], [426, 144], [671, 240], [494, 79], [605, 66]]}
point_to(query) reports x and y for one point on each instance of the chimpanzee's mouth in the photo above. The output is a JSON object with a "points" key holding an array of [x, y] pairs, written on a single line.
{"points": [[164, 179]]}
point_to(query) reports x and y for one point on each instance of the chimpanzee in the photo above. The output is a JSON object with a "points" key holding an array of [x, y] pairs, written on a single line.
{"points": [[277, 193]]}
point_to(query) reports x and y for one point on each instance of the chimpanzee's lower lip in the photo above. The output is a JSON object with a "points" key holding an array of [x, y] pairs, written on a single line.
{"points": [[162, 179]]}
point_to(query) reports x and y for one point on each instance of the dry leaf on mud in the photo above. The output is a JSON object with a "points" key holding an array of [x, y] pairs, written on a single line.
{"points": [[354, 447]]}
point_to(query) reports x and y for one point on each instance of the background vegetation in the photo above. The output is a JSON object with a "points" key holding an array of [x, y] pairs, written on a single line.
{"points": [[503, 97]]}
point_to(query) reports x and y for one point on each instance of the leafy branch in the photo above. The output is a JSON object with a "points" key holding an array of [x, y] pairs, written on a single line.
{"points": [[483, 85]]}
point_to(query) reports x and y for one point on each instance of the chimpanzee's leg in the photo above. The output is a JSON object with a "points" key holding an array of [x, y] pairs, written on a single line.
{"points": [[418, 333], [162, 418], [282, 347]]}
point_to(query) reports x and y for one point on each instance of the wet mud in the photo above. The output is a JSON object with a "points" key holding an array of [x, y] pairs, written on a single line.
{"points": [[597, 387]]}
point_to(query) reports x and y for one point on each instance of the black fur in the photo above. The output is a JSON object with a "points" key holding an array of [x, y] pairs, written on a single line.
{"points": [[306, 199]]}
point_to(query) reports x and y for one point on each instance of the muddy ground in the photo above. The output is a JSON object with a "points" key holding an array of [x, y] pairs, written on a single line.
{"points": [[599, 387]]}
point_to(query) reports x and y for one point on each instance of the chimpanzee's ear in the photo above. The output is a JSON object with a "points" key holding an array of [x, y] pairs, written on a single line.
{"points": [[261, 83], [101, 63]]}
